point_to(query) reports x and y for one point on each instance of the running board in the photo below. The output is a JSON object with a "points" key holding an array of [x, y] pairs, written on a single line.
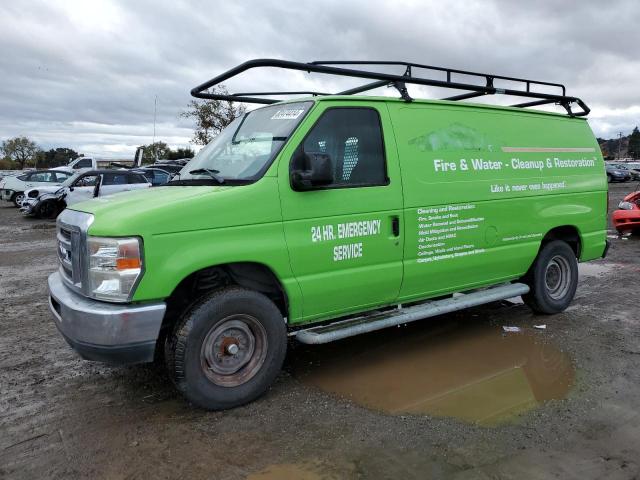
{"points": [[369, 323]]}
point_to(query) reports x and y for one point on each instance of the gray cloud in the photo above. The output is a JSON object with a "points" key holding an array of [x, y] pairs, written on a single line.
{"points": [[85, 74]]}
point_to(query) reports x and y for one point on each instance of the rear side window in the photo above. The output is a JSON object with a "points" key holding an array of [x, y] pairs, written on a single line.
{"points": [[352, 137], [85, 163], [137, 178], [156, 177], [42, 177], [161, 177], [114, 179]]}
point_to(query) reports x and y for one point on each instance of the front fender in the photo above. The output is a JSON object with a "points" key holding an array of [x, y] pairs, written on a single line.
{"points": [[170, 258]]}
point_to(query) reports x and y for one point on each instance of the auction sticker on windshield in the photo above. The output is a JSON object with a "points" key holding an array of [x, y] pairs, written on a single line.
{"points": [[288, 114]]}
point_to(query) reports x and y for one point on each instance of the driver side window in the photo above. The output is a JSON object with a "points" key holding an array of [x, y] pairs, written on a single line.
{"points": [[87, 181], [352, 137]]}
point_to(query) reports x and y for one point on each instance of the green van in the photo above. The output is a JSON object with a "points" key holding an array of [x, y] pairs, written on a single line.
{"points": [[328, 216]]}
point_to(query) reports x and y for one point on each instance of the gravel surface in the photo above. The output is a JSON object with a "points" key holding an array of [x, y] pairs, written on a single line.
{"points": [[62, 417]]}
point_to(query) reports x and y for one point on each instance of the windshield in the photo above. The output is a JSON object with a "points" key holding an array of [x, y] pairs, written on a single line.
{"points": [[246, 147]]}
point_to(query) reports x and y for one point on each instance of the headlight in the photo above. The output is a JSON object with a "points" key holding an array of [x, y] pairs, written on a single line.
{"points": [[115, 265], [625, 206], [32, 194]]}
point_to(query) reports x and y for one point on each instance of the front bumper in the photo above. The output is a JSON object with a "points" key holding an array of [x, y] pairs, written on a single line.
{"points": [[118, 334], [626, 220], [28, 205]]}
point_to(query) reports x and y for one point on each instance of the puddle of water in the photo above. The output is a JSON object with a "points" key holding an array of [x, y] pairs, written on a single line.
{"points": [[473, 373], [292, 471], [591, 269]]}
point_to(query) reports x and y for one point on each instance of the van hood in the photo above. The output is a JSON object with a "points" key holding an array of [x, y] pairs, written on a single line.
{"points": [[164, 210], [144, 200]]}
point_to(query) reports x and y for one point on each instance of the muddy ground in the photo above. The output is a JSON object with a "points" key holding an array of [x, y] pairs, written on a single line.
{"points": [[62, 417]]}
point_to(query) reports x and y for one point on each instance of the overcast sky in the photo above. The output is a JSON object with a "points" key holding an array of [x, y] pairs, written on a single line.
{"points": [[84, 74]]}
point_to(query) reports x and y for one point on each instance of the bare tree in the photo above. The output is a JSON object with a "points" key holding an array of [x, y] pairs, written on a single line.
{"points": [[212, 116], [20, 150]]}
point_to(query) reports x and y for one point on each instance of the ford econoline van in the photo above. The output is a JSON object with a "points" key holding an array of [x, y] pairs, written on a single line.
{"points": [[328, 216]]}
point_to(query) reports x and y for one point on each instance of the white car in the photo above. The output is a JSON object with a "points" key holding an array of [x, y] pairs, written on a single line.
{"points": [[48, 202], [12, 188], [80, 164]]}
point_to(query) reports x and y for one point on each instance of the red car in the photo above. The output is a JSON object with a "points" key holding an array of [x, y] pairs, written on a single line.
{"points": [[627, 217]]}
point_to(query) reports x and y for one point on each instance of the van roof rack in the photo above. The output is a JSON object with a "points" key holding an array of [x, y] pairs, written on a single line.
{"points": [[358, 69]]}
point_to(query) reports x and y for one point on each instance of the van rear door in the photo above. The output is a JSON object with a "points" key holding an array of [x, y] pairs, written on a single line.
{"points": [[345, 239]]}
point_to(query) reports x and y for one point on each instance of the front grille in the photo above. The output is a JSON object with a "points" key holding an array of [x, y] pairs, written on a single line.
{"points": [[65, 253], [69, 255], [71, 234]]}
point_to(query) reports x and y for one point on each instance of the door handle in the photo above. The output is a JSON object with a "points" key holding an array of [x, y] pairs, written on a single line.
{"points": [[395, 225]]}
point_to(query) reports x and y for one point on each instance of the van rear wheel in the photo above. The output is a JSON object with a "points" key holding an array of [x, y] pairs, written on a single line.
{"points": [[227, 349], [553, 279]]}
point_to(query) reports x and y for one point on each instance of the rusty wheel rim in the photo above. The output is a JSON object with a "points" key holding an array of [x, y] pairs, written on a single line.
{"points": [[558, 277], [234, 350]]}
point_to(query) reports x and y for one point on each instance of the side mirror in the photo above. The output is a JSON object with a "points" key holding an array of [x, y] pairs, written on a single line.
{"points": [[309, 170], [71, 189]]}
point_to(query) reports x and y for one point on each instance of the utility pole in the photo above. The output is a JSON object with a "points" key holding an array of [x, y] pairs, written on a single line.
{"points": [[155, 111], [619, 144]]}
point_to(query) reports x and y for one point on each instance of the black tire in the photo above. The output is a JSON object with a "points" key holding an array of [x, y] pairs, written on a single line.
{"points": [[48, 209], [16, 198], [553, 278], [202, 342]]}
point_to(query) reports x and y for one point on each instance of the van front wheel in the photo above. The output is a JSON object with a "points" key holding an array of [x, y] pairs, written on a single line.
{"points": [[553, 279], [228, 349]]}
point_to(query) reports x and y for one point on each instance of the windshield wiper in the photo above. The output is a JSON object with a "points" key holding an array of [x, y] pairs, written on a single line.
{"points": [[211, 172]]}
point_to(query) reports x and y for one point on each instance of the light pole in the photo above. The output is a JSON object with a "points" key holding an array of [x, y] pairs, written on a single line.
{"points": [[619, 144], [155, 111]]}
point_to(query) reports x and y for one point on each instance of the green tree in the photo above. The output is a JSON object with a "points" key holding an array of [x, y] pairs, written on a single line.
{"points": [[179, 153], [20, 150], [634, 143], [56, 157], [211, 116], [155, 151]]}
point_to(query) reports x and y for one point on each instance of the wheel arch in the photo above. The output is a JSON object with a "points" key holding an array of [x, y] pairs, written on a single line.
{"points": [[251, 275], [567, 233]]}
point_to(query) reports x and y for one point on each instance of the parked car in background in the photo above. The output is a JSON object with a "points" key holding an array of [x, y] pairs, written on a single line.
{"points": [[79, 164], [90, 163], [180, 161], [626, 218], [157, 176], [616, 173], [634, 169], [12, 188], [48, 202], [172, 168]]}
